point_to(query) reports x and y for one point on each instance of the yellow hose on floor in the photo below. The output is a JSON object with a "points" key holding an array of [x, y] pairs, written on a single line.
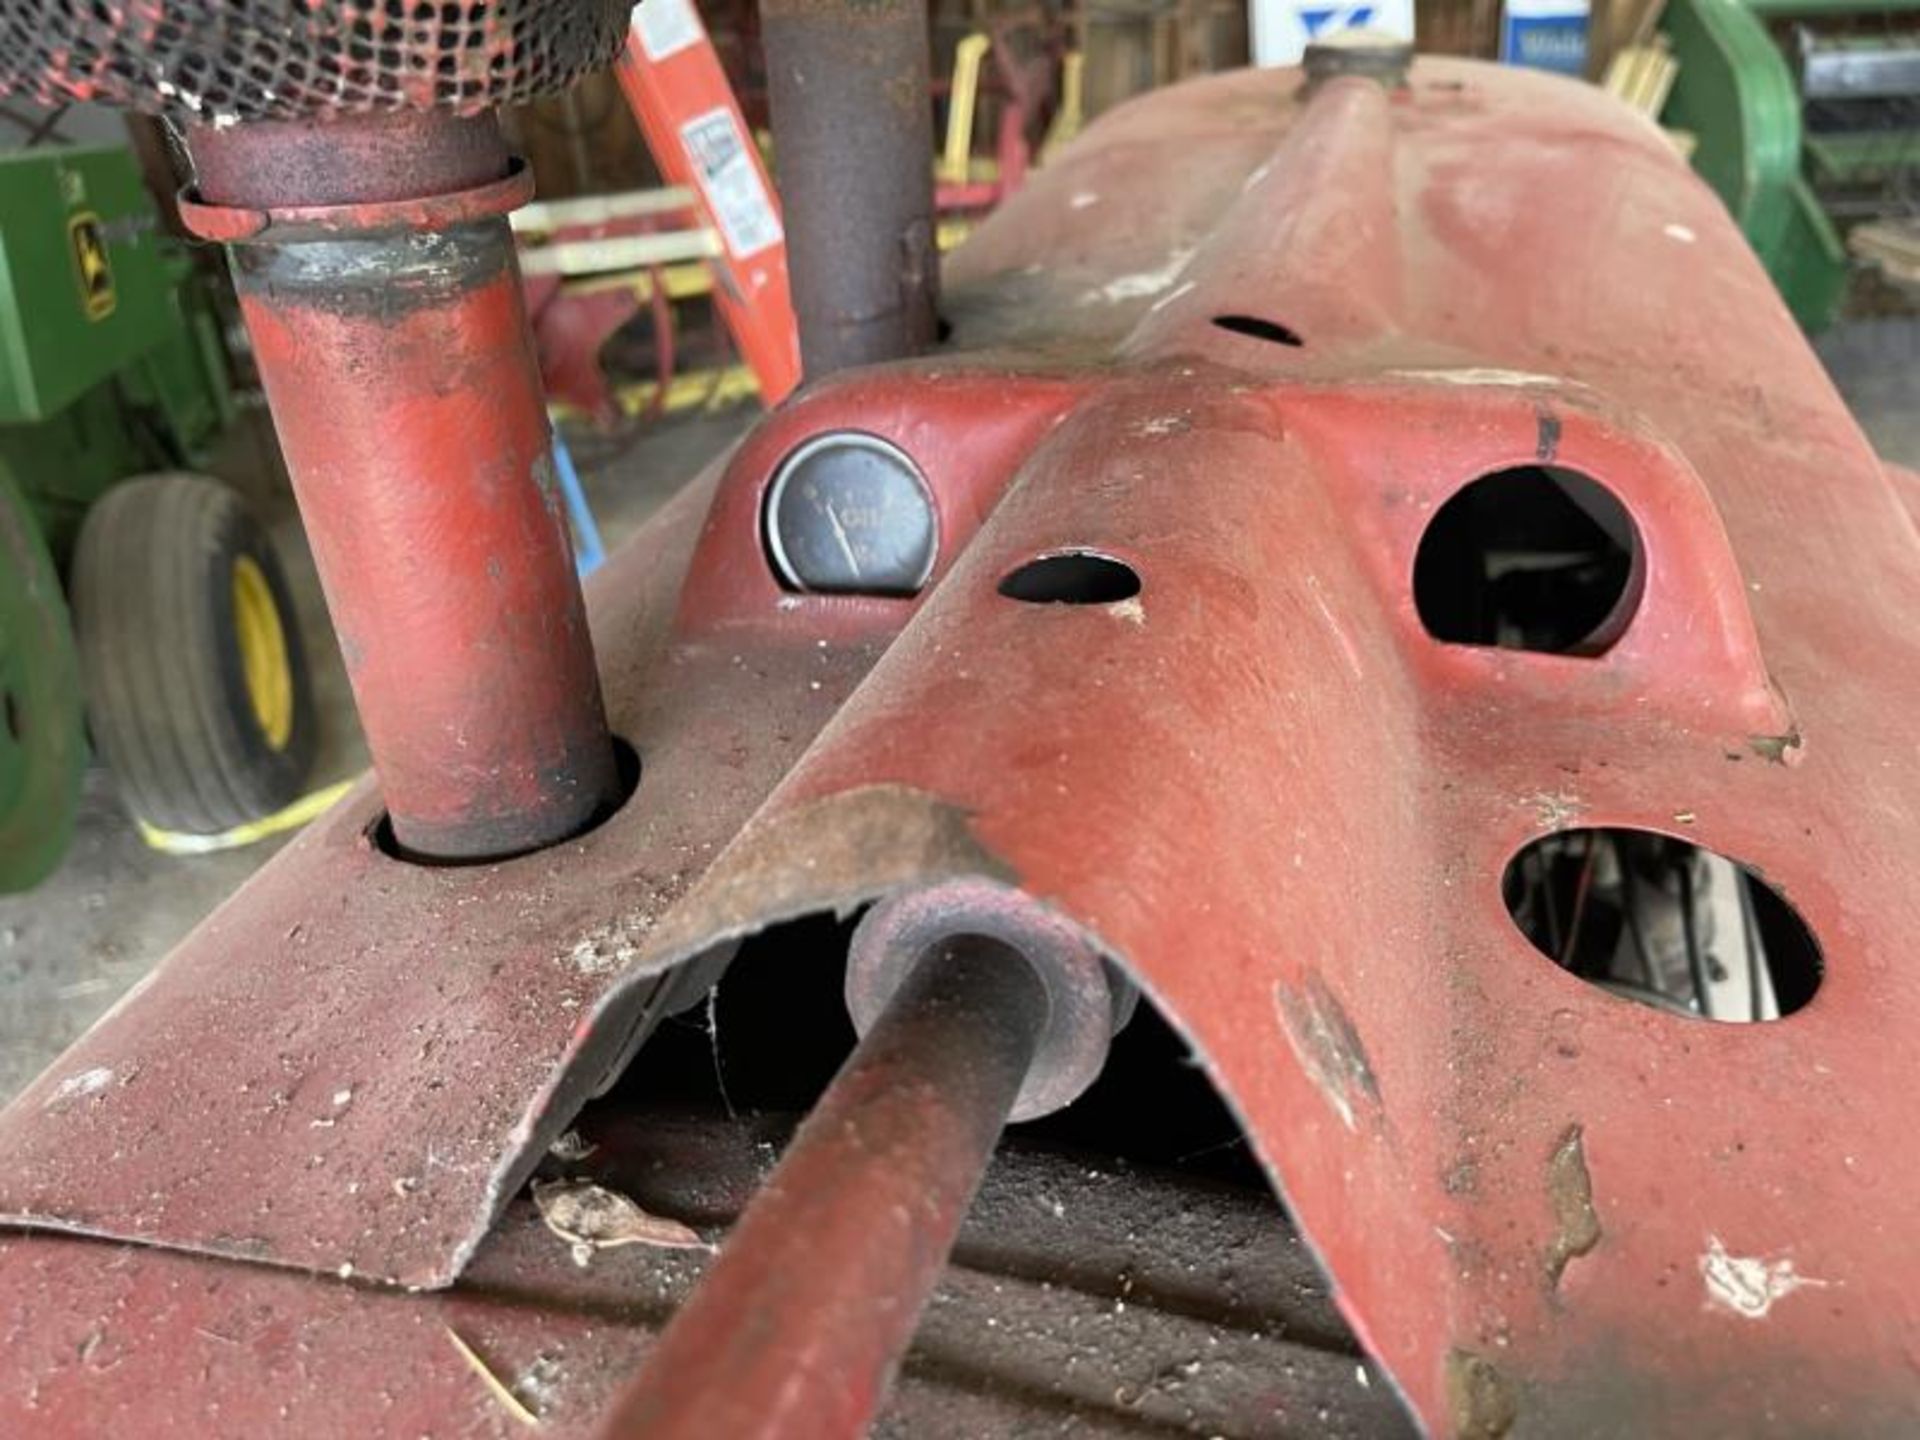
{"points": [[307, 808]]}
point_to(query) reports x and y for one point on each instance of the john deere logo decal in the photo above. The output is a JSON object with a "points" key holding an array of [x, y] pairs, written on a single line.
{"points": [[91, 265]]}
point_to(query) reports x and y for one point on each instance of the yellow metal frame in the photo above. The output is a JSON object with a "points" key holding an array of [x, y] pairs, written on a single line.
{"points": [[956, 159]]}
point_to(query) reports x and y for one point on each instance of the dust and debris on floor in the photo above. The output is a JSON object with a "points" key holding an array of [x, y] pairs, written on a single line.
{"points": [[72, 947], [591, 1217]]}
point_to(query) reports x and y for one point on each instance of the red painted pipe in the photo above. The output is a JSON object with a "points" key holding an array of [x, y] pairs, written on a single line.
{"points": [[798, 1328], [377, 278]]}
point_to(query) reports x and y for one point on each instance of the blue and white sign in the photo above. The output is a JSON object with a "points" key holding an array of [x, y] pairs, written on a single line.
{"points": [[1282, 28], [1545, 35]]}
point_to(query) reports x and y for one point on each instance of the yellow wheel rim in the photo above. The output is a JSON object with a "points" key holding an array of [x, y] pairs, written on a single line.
{"points": [[263, 652]]}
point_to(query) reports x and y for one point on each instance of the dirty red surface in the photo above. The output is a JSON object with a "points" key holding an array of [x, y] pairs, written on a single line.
{"points": [[392, 342], [839, 1254], [1024, 1336], [1267, 793]]}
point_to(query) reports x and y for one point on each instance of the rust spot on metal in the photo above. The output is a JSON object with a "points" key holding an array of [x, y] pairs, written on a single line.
{"points": [[1577, 1224], [1547, 442], [1327, 1045], [1780, 749], [1480, 1400], [833, 853], [345, 160], [1462, 1177], [859, 237]]}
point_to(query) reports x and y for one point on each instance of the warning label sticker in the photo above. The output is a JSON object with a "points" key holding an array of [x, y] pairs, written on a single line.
{"points": [[91, 265], [666, 27], [728, 178]]}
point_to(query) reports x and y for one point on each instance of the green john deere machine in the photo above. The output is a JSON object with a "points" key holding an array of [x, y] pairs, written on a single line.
{"points": [[1806, 118], [139, 603]]}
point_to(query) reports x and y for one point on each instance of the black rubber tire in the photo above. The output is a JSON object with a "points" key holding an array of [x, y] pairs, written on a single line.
{"points": [[152, 596]]}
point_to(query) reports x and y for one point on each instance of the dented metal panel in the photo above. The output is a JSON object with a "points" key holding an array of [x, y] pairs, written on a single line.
{"points": [[1258, 784]]}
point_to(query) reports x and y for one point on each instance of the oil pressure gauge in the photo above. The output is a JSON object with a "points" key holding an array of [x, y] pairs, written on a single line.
{"points": [[849, 514]]}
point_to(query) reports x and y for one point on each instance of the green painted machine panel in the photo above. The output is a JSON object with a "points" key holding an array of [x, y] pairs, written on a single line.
{"points": [[1818, 9], [42, 745], [63, 465], [84, 290], [1736, 96]]}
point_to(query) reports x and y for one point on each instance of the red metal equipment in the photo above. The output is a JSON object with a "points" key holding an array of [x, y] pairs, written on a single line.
{"points": [[839, 1253], [974, 1005], [350, 161], [692, 124], [626, 244], [1029, 53], [1109, 641], [376, 275]]}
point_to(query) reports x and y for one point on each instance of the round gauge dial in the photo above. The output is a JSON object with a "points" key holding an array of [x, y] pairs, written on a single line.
{"points": [[849, 514]]}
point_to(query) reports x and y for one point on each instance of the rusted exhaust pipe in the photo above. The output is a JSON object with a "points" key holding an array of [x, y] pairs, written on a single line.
{"points": [[853, 151], [976, 1005], [801, 1323]]}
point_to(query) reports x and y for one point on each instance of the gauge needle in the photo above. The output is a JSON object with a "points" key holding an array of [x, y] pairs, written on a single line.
{"points": [[840, 534]]}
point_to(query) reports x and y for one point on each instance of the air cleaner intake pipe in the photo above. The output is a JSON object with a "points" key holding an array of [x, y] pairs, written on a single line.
{"points": [[376, 274], [350, 158]]}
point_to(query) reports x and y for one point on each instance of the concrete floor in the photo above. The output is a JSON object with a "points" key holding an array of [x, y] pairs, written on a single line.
{"points": [[72, 947]]}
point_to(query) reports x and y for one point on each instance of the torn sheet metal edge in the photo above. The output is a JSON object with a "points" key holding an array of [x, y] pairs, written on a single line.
{"points": [[461, 1007]]}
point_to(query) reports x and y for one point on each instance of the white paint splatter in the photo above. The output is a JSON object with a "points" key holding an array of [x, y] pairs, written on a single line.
{"points": [[1679, 232], [1130, 610], [1748, 1285], [1140, 284], [1554, 810], [607, 948], [1475, 376], [540, 1381], [1164, 425], [85, 1082], [1183, 288], [1080, 200]]}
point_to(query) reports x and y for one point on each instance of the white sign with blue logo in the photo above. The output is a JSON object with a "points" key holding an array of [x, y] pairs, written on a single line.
{"points": [[1545, 35], [1282, 28]]}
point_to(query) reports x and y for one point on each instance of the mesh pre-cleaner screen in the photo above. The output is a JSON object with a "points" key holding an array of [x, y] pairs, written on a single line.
{"points": [[221, 61]]}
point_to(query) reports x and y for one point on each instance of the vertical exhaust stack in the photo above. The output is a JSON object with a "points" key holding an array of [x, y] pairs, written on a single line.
{"points": [[853, 149], [353, 165]]}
